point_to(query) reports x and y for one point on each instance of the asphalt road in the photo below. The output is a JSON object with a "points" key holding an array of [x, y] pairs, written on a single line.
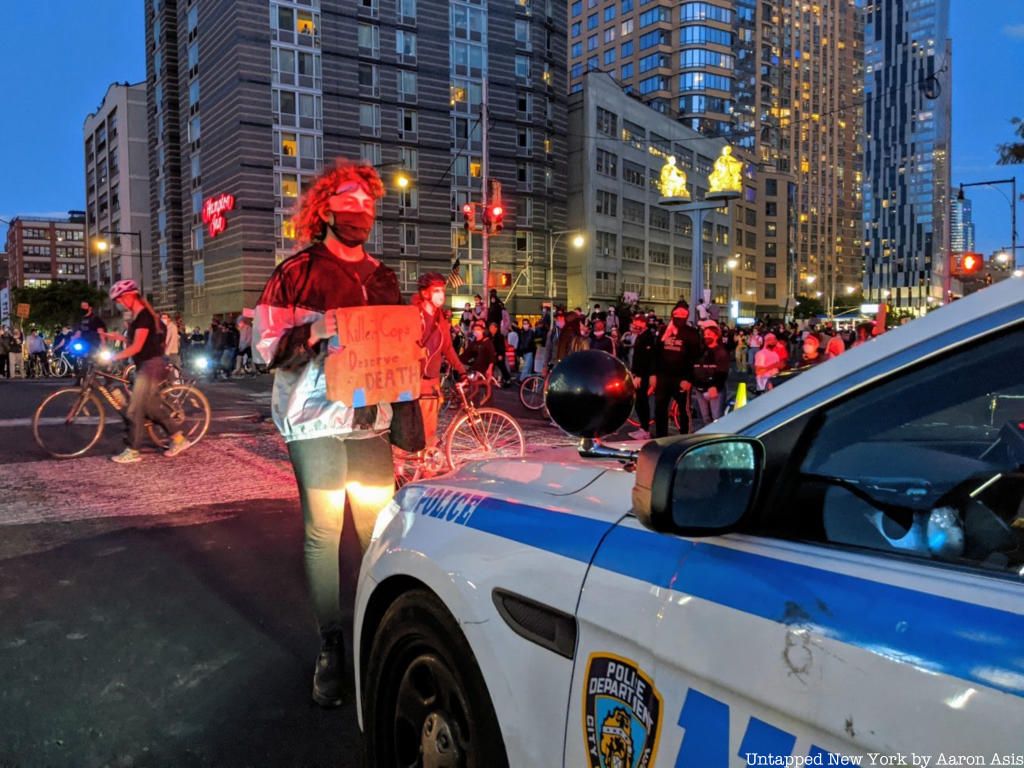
{"points": [[155, 614]]}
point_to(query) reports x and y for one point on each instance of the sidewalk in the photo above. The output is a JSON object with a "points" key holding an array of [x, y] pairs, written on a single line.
{"points": [[156, 614]]}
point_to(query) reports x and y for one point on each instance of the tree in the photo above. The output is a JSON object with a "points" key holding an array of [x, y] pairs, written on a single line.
{"points": [[1012, 153], [58, 303], [808, 307]]}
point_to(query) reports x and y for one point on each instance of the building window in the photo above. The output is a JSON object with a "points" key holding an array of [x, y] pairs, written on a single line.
{"points": [[607, 244], [769, 270], [289, 185], [627, 27], [609, 57], [658, 253], [577, 50], [369, 39], [369, 118], [632, 249], [406, 10], [304, 23], [592, 21], [406, 85], [607, 203], [524, 242], [607, 123], [524, 138], [634, 174], [769, 291], [659, 218], [409, 235], [408, 124], [592, 43], [523, 67], [405, 43], [607, 163], [633, 211]]}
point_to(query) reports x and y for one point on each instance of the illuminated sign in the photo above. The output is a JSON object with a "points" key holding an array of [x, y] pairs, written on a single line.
{"points": [[214, 210]]}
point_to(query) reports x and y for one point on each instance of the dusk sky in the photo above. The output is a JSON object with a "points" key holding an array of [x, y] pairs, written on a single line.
{"points": [[63, 54]]}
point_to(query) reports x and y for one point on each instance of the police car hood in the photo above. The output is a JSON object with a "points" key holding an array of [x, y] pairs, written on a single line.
{"points": [[555, 479], [982, 311]]}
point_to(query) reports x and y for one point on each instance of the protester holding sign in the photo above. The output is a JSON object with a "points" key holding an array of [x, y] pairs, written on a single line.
{"points": [[437, 348], [339, 450]]}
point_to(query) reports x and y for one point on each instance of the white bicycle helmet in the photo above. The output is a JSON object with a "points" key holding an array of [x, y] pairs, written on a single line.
{"points": [[121, 287]]}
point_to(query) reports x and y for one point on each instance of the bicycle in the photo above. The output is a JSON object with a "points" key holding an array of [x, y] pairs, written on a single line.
{"points": [[531, 391], [70, 421], [475, 433]]}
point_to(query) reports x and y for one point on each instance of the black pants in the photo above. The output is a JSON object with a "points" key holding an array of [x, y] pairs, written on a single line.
{"points": [[37, 362], [502, 366], [664, 393], [643, 403], [146, 403], [5, 365]]}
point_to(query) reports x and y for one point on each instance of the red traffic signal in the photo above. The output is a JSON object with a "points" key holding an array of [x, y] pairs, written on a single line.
{"points": [[469, 220], [496, 219], [970, 263]]}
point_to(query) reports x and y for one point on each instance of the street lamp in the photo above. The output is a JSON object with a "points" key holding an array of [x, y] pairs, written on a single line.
{"points": [[1013, 213], [578, 242], [103, 245]]}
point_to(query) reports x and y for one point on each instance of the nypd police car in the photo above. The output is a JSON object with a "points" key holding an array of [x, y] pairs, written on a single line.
{"points": [[831, 575]]}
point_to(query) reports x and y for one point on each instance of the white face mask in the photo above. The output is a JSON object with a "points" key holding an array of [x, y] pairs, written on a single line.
{"points": [[437, 298], [599, 334]]}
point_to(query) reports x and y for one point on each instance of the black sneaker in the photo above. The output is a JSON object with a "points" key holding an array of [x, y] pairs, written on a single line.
{"points": [[329, 674]]}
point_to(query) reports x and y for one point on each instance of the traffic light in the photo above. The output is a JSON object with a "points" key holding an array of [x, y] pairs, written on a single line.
{"points": [[504, 279], [970, 264], [497, 218], [469, 217]]}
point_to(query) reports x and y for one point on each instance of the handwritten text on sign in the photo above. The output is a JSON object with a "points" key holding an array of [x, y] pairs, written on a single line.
{"points": [[379, 359]]}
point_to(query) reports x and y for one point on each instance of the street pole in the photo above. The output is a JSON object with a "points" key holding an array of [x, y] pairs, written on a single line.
{"points": [[142, 268], [486, 249]]}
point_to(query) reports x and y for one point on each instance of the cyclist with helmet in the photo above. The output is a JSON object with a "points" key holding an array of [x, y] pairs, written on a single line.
{"points": [[145, 345], [437, 347]]}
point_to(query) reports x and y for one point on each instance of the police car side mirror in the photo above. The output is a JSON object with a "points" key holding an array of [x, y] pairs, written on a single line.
{"points": [[697, 485]]}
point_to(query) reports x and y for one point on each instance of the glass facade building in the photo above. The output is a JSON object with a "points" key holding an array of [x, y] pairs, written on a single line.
{"points": [[907, 90]]}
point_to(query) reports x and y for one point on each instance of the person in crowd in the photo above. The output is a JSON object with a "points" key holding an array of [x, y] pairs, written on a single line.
{"points": [[645, 354], [17, 362], [812, 351], [710, 374], [551, 346], [467, 318], [678, 350], [340, 452], [480, 357], [834, 348], [512, 349], [6, 343], [570, 339], [479, 310], [244, 325], [61, 340], [172, 341], [500, 361], [37, 355], [624, 345], [436, 341], [600, 340], [229, 347], [526, 349], [754, 343], [495, 309], [766, 363], [741, 351], [144, 345]]}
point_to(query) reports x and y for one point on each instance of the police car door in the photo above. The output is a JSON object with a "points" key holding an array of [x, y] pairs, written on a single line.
{"points": [[878, 612]]}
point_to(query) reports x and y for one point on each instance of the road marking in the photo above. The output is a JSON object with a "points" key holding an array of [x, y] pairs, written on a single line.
{"points": [[56, 420]]}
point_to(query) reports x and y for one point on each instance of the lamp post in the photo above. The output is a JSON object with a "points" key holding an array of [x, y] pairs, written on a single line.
{"points": [[554, 236], [1013, 219], [103, 245]]}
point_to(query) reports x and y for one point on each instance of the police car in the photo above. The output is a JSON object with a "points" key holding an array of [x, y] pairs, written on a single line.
{"points": [[833, 576]]}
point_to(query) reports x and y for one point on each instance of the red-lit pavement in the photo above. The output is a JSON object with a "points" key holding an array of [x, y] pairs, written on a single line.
{"points": [[156, 613]]}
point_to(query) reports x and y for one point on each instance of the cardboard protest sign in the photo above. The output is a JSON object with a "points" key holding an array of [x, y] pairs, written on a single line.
{"points": [[23, 311], [379, 356]]}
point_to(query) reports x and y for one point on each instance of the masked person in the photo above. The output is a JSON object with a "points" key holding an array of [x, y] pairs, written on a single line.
{"points": [[144, 344], [437, 348], [339, 452], [645, 355], [710, 374], [678, 350], [479, 356]]}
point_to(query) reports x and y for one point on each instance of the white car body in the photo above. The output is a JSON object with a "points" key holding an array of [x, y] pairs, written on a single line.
{"points": [[728, 649]]}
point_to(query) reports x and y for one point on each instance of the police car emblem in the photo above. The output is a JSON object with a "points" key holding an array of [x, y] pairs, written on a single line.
{"points": [[621, 714]]}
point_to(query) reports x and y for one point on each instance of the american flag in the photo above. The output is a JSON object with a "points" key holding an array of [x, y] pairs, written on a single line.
{"points": [[454, 278]]}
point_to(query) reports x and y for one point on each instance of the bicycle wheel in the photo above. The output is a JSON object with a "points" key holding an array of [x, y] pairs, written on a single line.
{"points": [[190, 413], [68, 423], [488, 433], [531, 392]]}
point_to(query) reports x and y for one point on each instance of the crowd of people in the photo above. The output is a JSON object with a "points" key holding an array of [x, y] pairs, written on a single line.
{"points": [[682, 358]]}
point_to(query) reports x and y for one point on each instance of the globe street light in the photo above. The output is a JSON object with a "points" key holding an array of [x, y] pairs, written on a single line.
{"points": [[578, 241]]}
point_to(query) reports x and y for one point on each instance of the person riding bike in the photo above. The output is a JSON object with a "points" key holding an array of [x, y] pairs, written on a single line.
{"points": [[437, 347], [145, 345]]}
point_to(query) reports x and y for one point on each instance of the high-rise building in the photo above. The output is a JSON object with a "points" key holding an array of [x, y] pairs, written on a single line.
{"points": [[265, 93], [632, 244], [961, 226], [42, 250], [907, 146], [780, 78], [117, 232]]}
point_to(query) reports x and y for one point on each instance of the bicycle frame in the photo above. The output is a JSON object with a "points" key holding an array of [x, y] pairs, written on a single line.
{"points": [[90, 382]]}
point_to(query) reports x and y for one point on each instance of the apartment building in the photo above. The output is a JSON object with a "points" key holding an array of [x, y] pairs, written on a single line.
{"points": [[42, 250]]}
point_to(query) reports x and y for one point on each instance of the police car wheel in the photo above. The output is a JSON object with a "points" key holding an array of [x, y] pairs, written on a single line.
{"points": [[426, 703]]}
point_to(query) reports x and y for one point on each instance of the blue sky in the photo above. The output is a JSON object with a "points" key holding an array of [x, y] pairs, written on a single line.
{"points": [[60, 55]]}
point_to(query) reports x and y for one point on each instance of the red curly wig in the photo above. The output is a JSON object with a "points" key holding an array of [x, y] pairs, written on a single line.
{"points": [[309, 227]]}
